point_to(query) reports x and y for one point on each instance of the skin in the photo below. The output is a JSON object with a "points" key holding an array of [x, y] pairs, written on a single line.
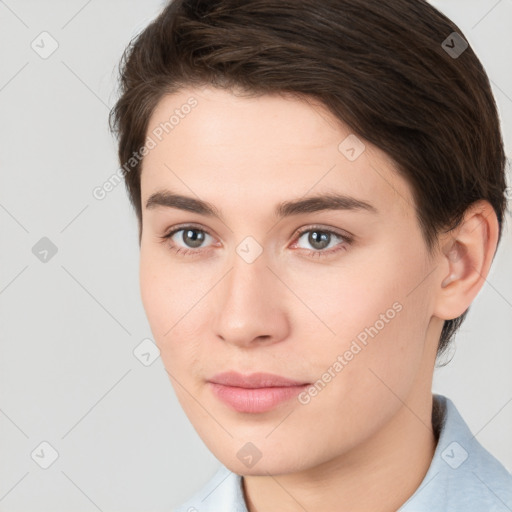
{"points": [[292, 313]]}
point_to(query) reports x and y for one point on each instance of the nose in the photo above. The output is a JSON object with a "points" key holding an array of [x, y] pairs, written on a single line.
{"points": [[251, 305]]}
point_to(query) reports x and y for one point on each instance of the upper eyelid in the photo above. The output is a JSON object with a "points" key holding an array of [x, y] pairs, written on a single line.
{"points": [[334, 231], [179, 227]]}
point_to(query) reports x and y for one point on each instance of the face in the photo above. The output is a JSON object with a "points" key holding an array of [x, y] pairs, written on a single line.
{"points": [[251, 271]]}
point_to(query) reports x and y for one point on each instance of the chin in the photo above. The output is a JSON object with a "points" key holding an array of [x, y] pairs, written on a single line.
{"points": [[275, 463], [259, 469]]}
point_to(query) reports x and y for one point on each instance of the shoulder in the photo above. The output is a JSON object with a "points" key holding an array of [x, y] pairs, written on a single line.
{"points": [[222, 492], [463, 475]]}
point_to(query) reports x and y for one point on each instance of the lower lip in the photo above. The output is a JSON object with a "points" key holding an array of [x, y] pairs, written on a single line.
{"points": [[255, 400]]}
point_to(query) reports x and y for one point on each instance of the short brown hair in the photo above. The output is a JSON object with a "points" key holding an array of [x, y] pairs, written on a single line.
{"points": [[382, 67]]}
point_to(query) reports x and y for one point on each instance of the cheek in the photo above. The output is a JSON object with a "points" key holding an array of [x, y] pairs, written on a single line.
{"points": [[367, 371], [154, 284], [172, 306], [163, 288], [158, 289], [379, 316], [351, 295]]}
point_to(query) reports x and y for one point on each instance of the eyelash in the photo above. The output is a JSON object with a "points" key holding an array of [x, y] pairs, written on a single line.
{"points": [[347, 240]]}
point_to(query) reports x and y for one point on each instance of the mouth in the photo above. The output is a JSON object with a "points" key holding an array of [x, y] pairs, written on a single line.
{"points": [[256, 392]]}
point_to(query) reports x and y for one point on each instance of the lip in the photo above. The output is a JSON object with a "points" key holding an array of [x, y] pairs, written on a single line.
{"points": [[256, 392]]}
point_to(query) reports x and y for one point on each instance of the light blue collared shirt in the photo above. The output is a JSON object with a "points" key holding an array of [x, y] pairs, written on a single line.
{"points": [[463, 477]]}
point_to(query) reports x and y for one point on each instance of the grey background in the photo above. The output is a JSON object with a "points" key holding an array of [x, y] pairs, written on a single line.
{"points": [[68, 375]]}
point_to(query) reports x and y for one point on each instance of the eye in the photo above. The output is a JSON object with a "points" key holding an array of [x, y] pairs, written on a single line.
{"points": [[321, 239], [189, 240], [190, 236]]}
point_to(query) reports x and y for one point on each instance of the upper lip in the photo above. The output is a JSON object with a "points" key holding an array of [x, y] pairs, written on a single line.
{"points": [[254, 380]]}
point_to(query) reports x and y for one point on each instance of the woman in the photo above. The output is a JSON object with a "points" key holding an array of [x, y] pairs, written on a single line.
{"points": [[319, 188]]}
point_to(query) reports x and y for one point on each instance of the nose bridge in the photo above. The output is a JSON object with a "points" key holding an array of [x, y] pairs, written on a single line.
{"points": [[247, 283], [248, 304]]}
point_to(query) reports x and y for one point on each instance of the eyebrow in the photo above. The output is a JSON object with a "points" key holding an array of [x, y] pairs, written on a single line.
{"points": [[311, 204]]}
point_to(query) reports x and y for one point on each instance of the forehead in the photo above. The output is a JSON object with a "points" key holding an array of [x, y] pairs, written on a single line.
{"points": [[263, 149]]}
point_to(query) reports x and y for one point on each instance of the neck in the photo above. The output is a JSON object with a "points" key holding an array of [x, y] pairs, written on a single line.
{"points": [[379, 475]]}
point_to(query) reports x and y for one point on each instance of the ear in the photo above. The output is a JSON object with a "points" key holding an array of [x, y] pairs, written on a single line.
{"points": [[466, 258]]}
